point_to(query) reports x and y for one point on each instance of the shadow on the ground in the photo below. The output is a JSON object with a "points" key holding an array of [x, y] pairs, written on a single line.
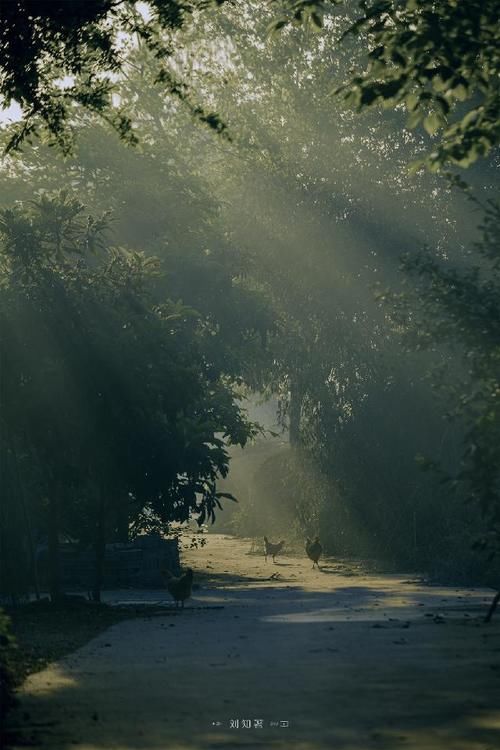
{"points": [[336, 693], [207, 579], [396, 675], [339, 571]]}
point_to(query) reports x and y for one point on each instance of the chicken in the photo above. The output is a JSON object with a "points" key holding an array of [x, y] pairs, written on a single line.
{"points": [[314, 550], [179, 587], [272, 549]]}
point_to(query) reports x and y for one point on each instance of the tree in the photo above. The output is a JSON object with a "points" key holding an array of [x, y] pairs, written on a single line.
{"points": [[438, 60], [108, 393], [56, 55], [458, 308]]}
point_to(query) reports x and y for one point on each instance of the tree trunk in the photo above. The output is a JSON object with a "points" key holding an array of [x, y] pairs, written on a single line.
{"points": [[294, 412], [54, 571], [100, 547], [122, 523], [29, 530], [493, 607]]}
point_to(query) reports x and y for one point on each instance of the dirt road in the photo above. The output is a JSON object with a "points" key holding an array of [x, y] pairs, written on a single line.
{"points": [[351, 661]]}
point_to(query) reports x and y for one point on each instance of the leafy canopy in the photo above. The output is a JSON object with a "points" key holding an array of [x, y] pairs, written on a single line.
{"points": [[102, 386], [438, 60], [56, 54]]}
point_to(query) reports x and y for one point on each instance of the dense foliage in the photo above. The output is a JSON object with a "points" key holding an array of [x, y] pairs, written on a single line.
{"points": [[56, 55], [113, 412], [459, 307], [438, 60]]}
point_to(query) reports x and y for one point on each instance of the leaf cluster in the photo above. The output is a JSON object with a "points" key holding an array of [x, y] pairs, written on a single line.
{"points": [[57, 56], [439, 61], [458, 308], [102, 387]]}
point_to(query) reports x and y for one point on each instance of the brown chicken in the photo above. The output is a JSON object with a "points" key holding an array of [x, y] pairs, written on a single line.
{"points": [[314, 550], [179, 587], [272, 549]]}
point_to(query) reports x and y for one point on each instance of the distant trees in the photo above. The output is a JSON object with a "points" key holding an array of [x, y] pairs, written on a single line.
{"points": [[110, 405]]}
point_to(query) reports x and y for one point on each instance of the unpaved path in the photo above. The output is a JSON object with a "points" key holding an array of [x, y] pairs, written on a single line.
{"points": [[351, 661]]}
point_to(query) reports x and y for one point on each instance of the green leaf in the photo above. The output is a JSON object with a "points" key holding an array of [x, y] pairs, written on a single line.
{"points": [[276, 26], [412, 101], [414, 119], [433, 122], [316, 21], [460, 92]]}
